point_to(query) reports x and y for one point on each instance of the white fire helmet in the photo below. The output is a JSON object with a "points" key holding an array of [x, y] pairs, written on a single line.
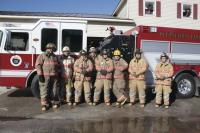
{"points": [[66, 48]]}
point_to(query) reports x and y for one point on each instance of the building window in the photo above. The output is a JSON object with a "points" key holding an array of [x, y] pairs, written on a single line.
{"points": [[149, 8], [187, 11], [18, 42], [73, 39], [49, 36]]}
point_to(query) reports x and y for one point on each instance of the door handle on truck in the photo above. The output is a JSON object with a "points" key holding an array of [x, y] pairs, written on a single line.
{"points": [[32, 56]]}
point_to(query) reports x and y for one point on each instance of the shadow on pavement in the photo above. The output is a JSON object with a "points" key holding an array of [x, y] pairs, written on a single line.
{"points": [[21, 93]]}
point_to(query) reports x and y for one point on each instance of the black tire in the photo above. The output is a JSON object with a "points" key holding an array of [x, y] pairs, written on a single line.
{"points": [[35, 87], [185, 86]]}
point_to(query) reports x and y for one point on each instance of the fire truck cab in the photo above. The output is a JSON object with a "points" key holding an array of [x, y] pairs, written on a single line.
{"points": [[20, 46], [183, 48]]}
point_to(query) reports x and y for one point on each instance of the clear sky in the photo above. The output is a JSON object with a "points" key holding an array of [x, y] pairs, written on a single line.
{"points": [[63, 6]]}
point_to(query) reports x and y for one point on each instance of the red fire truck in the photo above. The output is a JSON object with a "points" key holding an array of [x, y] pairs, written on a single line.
{"points": [[182, 46]]}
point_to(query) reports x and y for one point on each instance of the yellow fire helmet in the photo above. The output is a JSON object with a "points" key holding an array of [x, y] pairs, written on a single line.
{"points": [[117, 52]]}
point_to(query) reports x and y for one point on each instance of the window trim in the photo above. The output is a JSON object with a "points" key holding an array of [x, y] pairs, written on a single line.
{"points": [[154, 8], [28, 41], [192, 13], [46, 44]]}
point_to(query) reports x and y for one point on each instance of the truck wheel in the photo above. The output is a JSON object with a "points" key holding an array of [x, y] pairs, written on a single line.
{"points": [[35, 87], [185, 86]]}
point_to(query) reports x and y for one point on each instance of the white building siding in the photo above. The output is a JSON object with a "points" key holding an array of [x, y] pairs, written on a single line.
{"points": [[123, 13], [95, 29], [168, 15]]}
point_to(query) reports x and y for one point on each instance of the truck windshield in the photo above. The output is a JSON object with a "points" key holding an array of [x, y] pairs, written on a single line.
{"points": [[1, 35]]}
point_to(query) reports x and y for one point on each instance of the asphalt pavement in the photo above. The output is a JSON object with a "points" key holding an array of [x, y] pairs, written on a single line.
{"points": [[20, 112]]}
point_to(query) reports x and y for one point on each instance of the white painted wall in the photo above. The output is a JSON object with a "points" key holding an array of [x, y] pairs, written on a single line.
{"points": [[168, 15], [97, 29], [123, 12]]}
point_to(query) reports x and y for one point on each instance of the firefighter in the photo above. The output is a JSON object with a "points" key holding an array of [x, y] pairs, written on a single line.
{"points": [[93, 53], [164, 72], [120, 65], [82, 72], [137, 68], [104, 67], [111, 29], [67, 73], [47, 65], [93, 56]]}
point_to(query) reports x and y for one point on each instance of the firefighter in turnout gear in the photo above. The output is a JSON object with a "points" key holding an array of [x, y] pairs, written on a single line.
{"points": [[119, 84], [82, 72], [137, 68], [164, 72], [67, 62], [47, 66], [93, 53], [104, 67], [93, 57]]}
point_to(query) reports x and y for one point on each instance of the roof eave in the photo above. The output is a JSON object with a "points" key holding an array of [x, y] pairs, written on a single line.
{"points": [[118, 7], [71, 18]]}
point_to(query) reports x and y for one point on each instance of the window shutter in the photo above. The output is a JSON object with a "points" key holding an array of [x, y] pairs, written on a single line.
{"points": [[178, 10], [158, 9], [140, 2], [195, 11]]}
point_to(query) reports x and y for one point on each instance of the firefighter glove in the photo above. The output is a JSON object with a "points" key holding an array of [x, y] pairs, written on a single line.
{"points": [[84, 72], [103, 72]]}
